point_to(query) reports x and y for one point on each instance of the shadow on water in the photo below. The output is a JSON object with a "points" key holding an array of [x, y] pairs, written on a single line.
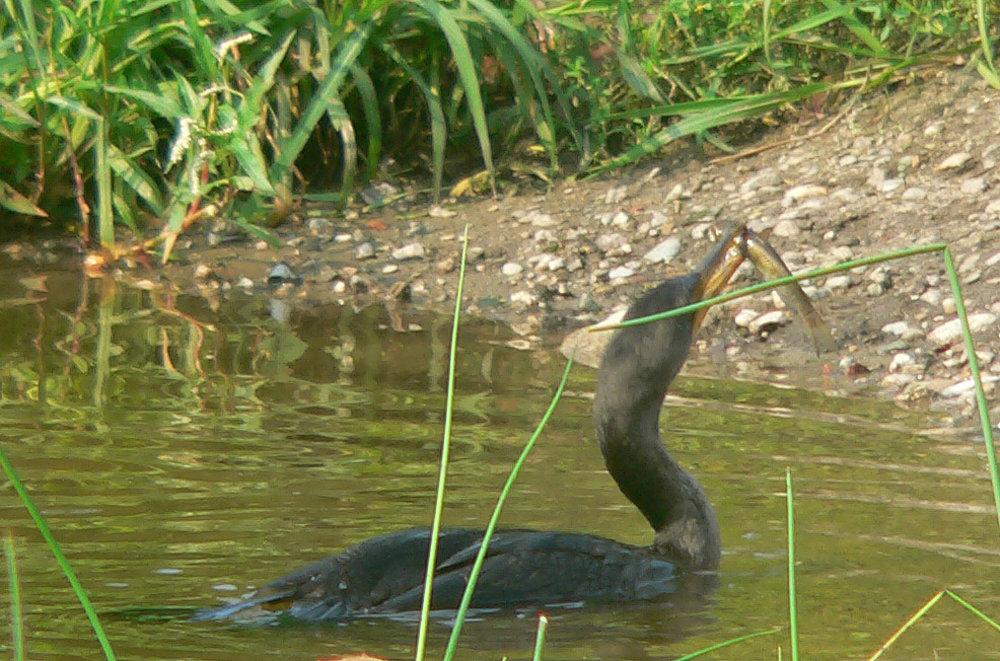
{"points": [[187, 447]]}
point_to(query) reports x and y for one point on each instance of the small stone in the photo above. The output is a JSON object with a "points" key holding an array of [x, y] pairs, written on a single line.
{"points": [[202, 272], [511, 269], [446, 265], [664, 251], [658, 219], [409, 251], [768, 321], [621, 219], [993, 207], [847, 160], [675, 194], [539, 219], [244, 283], [608, 242], [745, 317], [896, 328], [574, 265], [890, 185], [838, 282], [899, 361], [556, 263], [974, 185], [364, 250], [949, 306], [390, 268], [803, 192], [951, 331], [438, 211], [786, 229], [522, 297], [914, 193], [955, 161], [620, 273], [342, 237], [615, 194], [766, 177]]}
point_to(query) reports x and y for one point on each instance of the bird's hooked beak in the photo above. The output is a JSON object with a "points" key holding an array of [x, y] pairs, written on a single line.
{"points": [[718, 268]]}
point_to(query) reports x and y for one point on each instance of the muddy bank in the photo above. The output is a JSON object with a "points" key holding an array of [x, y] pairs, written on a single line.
{"points": [[915, 166]]}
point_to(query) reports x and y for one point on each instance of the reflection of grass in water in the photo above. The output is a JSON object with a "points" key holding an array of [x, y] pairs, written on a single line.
{"points": [[750, 398]]}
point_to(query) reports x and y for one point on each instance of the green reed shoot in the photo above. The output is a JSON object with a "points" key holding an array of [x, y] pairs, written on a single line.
{"points": [[793, 613], [491, 526], [16, 615], [46, 532], [425, 607], [543, 626]]}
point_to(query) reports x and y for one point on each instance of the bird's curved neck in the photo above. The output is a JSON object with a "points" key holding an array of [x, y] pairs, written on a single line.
{"points": [[637, 368]]}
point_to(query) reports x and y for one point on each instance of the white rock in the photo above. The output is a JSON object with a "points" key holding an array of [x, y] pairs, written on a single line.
{"points": [[896, 328], [914, 193], [664, 251], [993, 207], [838, 282], [899, 361], [675, 194], [615, 194], [951, 331], [745, 317], [437, 211], [890, 185], [767, 177], [556, 263], [620, 273], [803, 192], [609, 242], [539, 219], [522, 297], [954, 161], [409, 251], [974, 185], [621, 219], [390, 268], [786, 229], [510, 269], [769, 321]]}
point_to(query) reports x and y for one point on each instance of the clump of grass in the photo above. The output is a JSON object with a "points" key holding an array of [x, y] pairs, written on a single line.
{"points": [[170, 114]]}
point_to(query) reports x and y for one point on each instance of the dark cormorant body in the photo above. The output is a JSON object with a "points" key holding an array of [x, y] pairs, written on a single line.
{"points": [[385, 575]]}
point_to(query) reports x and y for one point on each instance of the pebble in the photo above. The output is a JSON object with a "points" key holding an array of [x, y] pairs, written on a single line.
{"points": [[539, 219], [838, 282], [954, 161], [786, 229], [745, 317], [446, 265], [409, 251], [993, 207], [609, 242], [803, 192], [522, 297], [438, 211], [390, 268], [914, 193], [974, 185], [900, 360], [511, 269], [621, 273], [890, 185], [951, 331], [365, 250], [766, 177], [664, 251], [896, 328], [556, 263], [615, 194], [769, 321]]}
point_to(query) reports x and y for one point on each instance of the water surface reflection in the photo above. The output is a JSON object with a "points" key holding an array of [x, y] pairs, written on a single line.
{"points": [[185, 448]]}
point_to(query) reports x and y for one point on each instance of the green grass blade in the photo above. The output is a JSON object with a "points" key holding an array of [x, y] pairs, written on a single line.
{"points": [[859, 29], [135, 178], [348, 53], [373, 120], [975, 611], [16, 615], [726, 643], [970, 351], [61, 559], [456, 630], [425, 607], [982, 23], [467, 74], [793, 612], [906, 625], [543, 626], [340, 119], [432, 97], [102, 166]]}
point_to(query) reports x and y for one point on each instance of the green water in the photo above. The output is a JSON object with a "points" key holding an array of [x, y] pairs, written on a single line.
{"points": [[185, 448]]}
